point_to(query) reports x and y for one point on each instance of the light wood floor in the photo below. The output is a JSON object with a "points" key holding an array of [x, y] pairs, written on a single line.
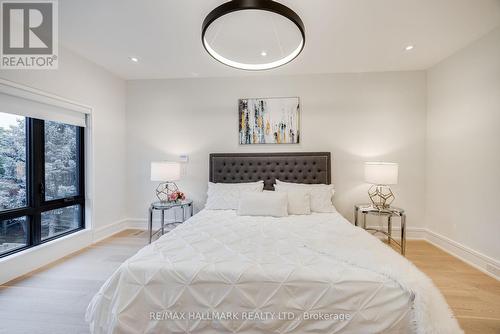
{"points": [[53, 299], [473, 296]]}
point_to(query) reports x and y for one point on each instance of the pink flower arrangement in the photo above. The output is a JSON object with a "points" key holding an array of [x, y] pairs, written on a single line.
{"points": [[176, 196]]}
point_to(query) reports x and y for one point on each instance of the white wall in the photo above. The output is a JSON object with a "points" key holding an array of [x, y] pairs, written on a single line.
{"points": [[463, 147], [358, 117], [80, 80]]}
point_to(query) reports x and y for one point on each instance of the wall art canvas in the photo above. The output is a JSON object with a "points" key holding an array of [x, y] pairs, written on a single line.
{"points": [[269, 120]]}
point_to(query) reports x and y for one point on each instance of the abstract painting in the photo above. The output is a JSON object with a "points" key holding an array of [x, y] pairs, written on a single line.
{"points": [[269, 121]]}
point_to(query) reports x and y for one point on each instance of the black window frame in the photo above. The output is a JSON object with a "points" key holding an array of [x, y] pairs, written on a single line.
{"points": [[35, 187]]}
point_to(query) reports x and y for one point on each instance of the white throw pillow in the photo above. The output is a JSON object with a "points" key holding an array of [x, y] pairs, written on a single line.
{"points": [[225, 196], [321, 194], [307, 185], [266, 203], [299, 201]]}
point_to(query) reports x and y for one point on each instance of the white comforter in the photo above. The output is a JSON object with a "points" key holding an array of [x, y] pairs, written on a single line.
{"points": [[223, 273]]}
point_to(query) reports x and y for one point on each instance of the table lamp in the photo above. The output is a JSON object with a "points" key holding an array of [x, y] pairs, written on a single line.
{"points": [[165, 172], [381, 175]]}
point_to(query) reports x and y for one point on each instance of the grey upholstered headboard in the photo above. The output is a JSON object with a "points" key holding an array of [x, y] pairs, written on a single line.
{"points": [[309, 167]]}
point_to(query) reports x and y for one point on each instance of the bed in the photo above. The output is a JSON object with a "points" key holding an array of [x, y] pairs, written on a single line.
{"points": [[224, 273]]}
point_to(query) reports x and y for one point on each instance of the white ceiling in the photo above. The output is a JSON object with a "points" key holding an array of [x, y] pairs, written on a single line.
{"points": [[341, 35]]}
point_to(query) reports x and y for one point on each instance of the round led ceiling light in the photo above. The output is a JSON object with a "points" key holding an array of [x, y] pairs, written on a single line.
{"points": [[253, 34]]}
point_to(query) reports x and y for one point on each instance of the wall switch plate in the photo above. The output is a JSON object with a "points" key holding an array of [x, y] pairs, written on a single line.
{"points": [[183, 158]]}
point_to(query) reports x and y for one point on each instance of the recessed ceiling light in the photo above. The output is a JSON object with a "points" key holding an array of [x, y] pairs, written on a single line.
{"points": [[409, 47], [134, 59], [263, 53]]}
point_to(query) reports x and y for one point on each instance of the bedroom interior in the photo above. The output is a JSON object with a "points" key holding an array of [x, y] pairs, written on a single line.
{"points": [[250, 166]]}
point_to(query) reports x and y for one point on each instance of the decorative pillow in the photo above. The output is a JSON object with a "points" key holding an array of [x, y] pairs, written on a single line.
{"points": [[225, 196], [299, 201], [321, 194], [270, 203]]}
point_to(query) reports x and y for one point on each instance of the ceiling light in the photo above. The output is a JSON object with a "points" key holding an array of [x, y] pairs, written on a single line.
{"points": [[134, 59], [232, 32], [409, 47]]}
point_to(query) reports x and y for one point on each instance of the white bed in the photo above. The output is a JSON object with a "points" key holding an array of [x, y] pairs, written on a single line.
{"points": [[268, 273]]}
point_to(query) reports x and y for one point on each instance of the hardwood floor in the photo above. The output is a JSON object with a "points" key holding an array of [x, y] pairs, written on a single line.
{"points": [[54, 299], [473, 296]]}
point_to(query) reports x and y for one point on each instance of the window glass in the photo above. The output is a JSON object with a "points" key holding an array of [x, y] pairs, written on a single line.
{"points": [[12, 161], [61, 163], [59, 221], [13, 234], [41, 166]]}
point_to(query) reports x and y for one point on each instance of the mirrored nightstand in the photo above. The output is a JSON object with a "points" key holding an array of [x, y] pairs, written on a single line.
{"points": [[368, 209], [186, 205]]}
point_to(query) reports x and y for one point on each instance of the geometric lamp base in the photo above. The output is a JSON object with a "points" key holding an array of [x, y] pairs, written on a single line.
{"points": [[381, 196], [164, 190]]}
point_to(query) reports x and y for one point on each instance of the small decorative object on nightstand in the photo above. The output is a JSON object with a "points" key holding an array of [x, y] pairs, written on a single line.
{"points": [[381, 175], [166, 206], [176, 197], [387, 212], [165, 172]]}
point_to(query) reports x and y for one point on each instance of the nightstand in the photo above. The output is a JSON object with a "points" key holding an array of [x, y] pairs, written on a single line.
{"points": [[368, 209], [166, 206]]}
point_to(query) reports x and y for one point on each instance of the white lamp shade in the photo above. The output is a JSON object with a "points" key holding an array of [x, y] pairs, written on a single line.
{"points": [[165, 171], [381, 172]]}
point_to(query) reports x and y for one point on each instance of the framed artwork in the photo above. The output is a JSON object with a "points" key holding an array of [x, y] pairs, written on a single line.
{"points": [[269, 120]]}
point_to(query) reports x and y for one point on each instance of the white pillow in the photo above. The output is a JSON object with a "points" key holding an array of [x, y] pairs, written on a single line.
{"points": [[299, 201], [225, 196], [306, 185], [267, 203], [321, 194]]}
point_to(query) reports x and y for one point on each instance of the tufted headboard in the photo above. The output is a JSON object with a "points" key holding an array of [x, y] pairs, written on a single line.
{"points": [[309, 167]]}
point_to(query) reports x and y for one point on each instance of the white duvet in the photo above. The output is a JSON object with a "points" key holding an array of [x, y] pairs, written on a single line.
{"points": [[223, 273]]}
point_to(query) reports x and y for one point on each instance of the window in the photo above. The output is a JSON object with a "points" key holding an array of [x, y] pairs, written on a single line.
{"points": [[61, 160], [41, 181], [12, 162], [13, 234], [58, 221]]}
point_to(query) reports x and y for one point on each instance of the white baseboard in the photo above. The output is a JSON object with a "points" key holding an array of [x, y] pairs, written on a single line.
{"points": [[137, 223], [142, 224], [108, 230], [119, 226], [474, 258], [485, 264]]}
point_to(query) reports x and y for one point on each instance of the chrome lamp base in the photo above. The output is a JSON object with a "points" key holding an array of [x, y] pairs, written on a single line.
{"points": [[164, 190], [381, 196]]}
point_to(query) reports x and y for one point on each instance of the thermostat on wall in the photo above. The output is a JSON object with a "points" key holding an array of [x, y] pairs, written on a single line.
{"points": [[183, 158]]}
